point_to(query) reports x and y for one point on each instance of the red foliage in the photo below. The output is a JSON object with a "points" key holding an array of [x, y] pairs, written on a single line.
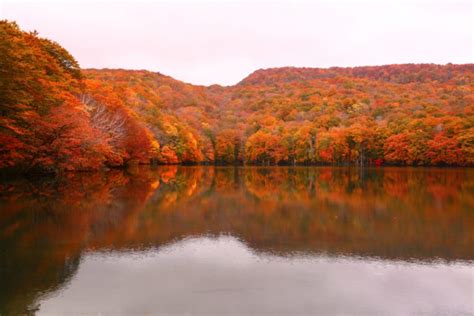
{"points": [[55, 117]]}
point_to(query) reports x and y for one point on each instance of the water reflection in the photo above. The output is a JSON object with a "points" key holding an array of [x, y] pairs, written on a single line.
{"points": [[54, 230], [219, 276]]}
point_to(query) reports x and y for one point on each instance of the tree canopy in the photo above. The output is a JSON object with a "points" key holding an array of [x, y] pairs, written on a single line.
{"points": [[55, 116]]}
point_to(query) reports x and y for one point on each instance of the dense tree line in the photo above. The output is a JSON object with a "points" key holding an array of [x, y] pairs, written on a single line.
{"points": [[397, 114], [55, 116], [51, 119]]}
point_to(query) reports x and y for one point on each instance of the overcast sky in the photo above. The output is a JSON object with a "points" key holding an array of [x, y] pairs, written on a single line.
{"points": [[206, 42]]}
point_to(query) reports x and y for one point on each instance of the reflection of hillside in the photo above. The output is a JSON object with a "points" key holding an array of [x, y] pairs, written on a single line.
{"points": [[45, 226], [338, 211], [403, 214]]}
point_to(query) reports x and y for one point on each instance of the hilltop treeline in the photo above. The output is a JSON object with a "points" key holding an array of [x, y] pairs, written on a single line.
{"points": [[55, 116]]}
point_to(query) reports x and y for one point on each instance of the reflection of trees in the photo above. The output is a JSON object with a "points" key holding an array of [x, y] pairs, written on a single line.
{"points": [[45, 226], [390, 213]]}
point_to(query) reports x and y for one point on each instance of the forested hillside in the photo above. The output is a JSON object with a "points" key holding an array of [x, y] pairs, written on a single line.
{"points": [[55, 116]]}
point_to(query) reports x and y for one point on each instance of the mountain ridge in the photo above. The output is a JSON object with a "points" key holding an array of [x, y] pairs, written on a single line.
{"points": [[332, 71]]}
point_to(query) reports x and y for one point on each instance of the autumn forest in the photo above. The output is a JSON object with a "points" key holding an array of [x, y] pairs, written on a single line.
{"points": [[55, 116]]}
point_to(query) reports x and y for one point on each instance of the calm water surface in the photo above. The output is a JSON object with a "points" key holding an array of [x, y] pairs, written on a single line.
{"points": [[257, 241]]}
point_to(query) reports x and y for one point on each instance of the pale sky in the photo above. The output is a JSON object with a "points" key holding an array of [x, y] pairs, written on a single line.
{"points": [[207, 42]]}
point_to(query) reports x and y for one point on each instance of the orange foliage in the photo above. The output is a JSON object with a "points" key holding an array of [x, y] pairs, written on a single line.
{"points": [[55, 117]]}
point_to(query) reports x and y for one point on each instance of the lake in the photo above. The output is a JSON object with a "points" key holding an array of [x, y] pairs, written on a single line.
{"points": [[179, 240]]}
